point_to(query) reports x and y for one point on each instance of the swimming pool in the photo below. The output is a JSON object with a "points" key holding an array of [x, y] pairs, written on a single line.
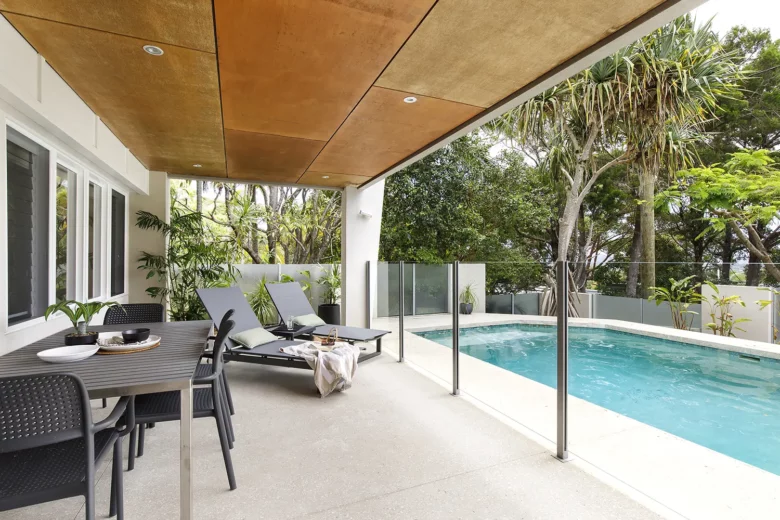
{"points": [[711, 397]]}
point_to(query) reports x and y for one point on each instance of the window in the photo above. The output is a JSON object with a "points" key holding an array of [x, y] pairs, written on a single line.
{"points": [[28, 227], [64, 246], [117, 243], [94, 241]]}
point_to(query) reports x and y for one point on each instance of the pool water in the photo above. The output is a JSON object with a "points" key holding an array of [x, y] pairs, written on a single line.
{"points": [[712, 397]]}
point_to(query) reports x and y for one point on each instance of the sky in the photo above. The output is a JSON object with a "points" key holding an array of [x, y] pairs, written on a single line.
{"points": [[750, 13]]}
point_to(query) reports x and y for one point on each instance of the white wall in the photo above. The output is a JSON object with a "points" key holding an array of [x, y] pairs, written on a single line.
{"points": [[32, 92], [38, 102], [584, 305], [473, 274], [759, 328], [359, 244]]}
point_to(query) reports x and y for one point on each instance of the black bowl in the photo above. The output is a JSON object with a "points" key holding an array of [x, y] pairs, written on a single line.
{"points": [[135, 335]]}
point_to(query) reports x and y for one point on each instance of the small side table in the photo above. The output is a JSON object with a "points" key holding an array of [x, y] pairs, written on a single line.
{"points": [[291, 334]]}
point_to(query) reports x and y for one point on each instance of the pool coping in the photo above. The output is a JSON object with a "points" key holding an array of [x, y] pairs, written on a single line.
{"points": [[740, 346]]}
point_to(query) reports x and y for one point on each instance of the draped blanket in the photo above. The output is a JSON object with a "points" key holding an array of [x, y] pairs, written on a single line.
{"points": [[334, 367]]}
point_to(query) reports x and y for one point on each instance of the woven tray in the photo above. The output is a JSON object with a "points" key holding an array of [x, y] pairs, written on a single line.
{"points": [[133, 351]]}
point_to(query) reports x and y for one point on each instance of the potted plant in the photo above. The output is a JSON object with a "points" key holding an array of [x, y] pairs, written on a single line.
{"points": [[330, 311], [468, 298], [80, 314]]}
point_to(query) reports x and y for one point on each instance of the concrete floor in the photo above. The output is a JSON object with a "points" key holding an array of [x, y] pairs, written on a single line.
{"points": [[396, 445]]}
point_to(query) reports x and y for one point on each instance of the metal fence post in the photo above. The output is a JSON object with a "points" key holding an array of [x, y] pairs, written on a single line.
{"points": [[455, 330], [414, 289], [562, 312], [400, 312], [368, 294]]}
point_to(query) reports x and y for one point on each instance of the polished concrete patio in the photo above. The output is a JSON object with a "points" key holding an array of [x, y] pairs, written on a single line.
{"points": [[396, 445]]}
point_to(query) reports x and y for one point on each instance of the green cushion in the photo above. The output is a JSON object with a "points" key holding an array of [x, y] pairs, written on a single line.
{"points": [[308, 320], [253, 337]]}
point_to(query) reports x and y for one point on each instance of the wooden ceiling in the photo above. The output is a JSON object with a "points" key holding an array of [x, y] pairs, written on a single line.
{"points": [[303, 91]]}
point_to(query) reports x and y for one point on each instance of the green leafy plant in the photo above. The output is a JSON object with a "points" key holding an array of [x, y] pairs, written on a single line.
{"points": [[723, 322], [261, 303], [79, 314], [331, 282], [194, 259], [468, 295], [680, 295]]}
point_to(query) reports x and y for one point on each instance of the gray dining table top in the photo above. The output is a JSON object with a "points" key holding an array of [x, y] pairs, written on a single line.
{"points": [[167, 367]]}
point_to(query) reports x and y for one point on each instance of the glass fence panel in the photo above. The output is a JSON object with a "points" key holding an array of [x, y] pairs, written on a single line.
{"points": [[428, 333], [388, 280], [431, 288], [508, 347]]}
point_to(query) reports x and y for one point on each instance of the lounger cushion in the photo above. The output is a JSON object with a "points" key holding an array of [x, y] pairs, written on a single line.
{"points": [[308, 320], [253, 337]]}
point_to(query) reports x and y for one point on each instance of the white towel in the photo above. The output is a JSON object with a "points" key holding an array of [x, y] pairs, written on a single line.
{"points": [[334, 367]]}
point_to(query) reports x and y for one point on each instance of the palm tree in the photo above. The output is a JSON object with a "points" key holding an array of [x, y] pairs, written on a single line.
{"points": [[678, 74]]}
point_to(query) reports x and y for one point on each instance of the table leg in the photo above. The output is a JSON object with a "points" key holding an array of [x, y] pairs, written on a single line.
{"points": [[185, 454]]}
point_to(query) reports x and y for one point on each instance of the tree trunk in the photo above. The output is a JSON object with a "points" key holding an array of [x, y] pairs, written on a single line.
{"points": [[566, 224], [647, 219], [199, 196], [753, 271], [635, 254], [727, 256], [272, 225]]}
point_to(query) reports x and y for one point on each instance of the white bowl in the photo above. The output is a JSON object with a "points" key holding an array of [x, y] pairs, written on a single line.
{"points": [[68, 354]]}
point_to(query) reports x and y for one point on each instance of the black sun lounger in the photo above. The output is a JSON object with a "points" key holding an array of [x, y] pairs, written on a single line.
{"points": [[290, 300], [218, 301]]}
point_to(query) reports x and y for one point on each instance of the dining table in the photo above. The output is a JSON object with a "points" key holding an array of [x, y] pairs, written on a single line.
{"points": [[165, 368]]}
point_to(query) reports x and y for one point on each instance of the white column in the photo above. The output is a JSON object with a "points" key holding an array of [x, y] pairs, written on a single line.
{"points": [[158, 203], [361, 221]]}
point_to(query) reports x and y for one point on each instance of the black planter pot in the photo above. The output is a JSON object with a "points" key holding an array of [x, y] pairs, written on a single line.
{"points": [[466, 308], [330, 313], [89, 338]]}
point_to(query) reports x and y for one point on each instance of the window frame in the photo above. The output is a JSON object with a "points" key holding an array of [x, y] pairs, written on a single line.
{"points": [[102, 262], [78, 211]]}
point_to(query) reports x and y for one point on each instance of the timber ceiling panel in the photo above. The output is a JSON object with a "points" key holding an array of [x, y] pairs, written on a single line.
{"points": [[165, 109], [336, 180], [158, 21], [383, 130], [266, 156], [298, 67], [480, 51], [307, 91]]}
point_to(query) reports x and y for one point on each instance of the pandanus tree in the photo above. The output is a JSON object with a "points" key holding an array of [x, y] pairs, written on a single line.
{"points": [[678, 75], [579, 122]]}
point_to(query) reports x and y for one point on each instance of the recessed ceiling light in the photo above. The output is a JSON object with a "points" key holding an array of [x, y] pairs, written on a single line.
{"points": [[197, 165], [410, 99], [326, 176], [153, 50]]}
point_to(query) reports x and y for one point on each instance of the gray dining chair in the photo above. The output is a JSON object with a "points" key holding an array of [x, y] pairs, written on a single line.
{"points": [[207, 397], [49, 446]]}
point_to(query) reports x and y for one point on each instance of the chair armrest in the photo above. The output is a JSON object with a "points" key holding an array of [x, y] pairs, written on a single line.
{"points": [[115, 415], [205, 380]]}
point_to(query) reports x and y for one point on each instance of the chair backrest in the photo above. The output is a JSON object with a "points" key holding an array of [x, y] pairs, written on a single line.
{"points": [[226, 325], [289, 299], [219, 300], [134, 313], [42, 409]]}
